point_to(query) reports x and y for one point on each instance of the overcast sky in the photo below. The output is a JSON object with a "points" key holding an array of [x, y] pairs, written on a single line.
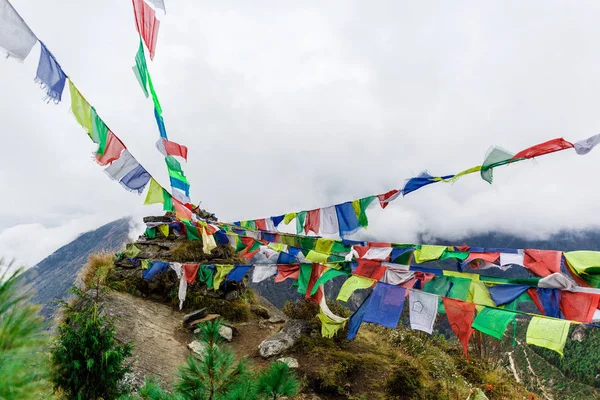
{"points": [[288, 106]]}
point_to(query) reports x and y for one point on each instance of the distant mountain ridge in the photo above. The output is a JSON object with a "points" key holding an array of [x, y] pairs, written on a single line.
{"points": [[52, 278]]}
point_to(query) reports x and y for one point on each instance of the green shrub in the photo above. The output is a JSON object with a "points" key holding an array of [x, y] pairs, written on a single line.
{"points": [[23, 367], [88, 363], [406, 381]]}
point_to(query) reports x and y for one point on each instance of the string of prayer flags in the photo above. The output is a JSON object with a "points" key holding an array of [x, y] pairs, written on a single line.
{"points": [[460, 317], [550, 146], [15, 36], [147, 25], [50, 75], [423, 310], [423, 179], [549, 333], [585, 146], [493, 321]]}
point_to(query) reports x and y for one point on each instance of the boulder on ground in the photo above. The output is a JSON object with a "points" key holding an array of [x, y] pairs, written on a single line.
{"points": [[290, 361], [285, 339], [226, 333]]}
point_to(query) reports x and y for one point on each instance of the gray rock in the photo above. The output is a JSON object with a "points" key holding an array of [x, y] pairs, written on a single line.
{"points": [[226, 333], [198, 347], [285, 339], [198, 314], [290, 361], [276, 319]]}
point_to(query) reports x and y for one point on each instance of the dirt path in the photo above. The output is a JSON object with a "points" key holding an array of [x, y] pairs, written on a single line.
{"points": [[160, 342]]}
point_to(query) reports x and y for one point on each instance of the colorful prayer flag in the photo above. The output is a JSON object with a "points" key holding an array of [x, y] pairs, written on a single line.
{"points": [[549, 333], [50, 75]]}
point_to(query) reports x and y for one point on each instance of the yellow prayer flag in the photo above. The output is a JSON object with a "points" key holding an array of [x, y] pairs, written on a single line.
{"points": [[208, 241], [353, 283], [549, 333], [330, 327], [277, 246], [81, 108], [316, 257], [164, 229], [479, 294], [222, 270], [456, 274], [324, 245], [581, 261], [429, 253], [289, 217], [155, 193]]}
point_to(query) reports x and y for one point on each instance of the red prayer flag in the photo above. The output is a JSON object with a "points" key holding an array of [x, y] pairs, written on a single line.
{"points": [[147, 24], [579, 306], [285, 271], [370, 269], [361, 250], [380, 244], [190, 272], [385, 198], [315, 274], [489, 257], [261, 224], [542, 262], [543, 148], [174, 149], [181, 211], [460, 316], [313, 221], [114, 148]]}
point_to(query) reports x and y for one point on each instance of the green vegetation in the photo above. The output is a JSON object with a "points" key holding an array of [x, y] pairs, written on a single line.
{"points": [[215, 374], [88, 363], [23, 363]]}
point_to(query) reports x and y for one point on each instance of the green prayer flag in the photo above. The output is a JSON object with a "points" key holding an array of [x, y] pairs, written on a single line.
{"points": [[192, 231], [168, 201], [248, 224], [173, 164], [338, 247], [438, 286], [99, 132], [300, 218], [141, 69], [460, 288], [360, 207], [494, 158], [150, 233], [306, 242], [304, 278], [329, 327], [289, 240], [179, 176], [459, 255], [206, 275], [154, 96], [493, 322], [328, 275]]}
